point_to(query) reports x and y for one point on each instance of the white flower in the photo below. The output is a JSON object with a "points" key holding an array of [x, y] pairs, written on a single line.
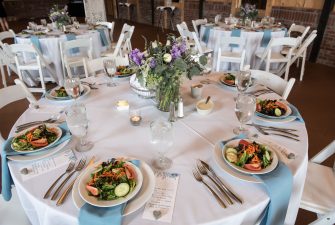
{"points": [[168, 43], [167, 57], [154, 44]]}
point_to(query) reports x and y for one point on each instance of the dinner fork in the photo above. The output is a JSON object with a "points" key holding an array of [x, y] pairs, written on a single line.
{"points": [[52, 119], [203, 171], [199, 178], [282, 135], [68, 169], [79, 167]]}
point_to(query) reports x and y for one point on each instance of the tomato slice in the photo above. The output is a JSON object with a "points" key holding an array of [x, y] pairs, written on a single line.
{"points": [[130, 172], [253, 166], [244, 143], [94, 191], [281, 105], [40, 142], [258, 107]]}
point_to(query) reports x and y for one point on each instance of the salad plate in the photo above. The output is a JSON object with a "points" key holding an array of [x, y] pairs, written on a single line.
{"points": [[258, 158], [124, 71], [228, 79], [126, 182], [37, 138], [272, 108], [145, 193], [51, 95]]}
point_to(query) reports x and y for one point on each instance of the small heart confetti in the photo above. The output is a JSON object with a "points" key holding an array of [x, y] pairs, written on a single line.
{"points": [[157, 214]]}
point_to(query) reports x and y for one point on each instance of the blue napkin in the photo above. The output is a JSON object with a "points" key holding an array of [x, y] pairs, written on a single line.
{"points": [[278, 185], [235, 33], [36, 42], [103, 37], [207, 31], [7, 180], [71, 37], [295, 113], [90, 214], [266, 38]]}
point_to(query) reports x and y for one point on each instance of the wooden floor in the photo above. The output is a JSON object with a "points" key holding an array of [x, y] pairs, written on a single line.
{"points": [[314, 97]]}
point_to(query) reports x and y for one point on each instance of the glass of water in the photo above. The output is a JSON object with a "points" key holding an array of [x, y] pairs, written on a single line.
{"points": [[110, 70], [162, 139], [76, 119], [72, 87], [244, 110], [44, 22], [243, 81]]}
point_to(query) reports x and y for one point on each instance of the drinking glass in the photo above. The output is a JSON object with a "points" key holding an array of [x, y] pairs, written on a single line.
{"points": [[76, 119], [110, 70], [72, 87], [44, 22], [162, 139], [243, 81], [244, 110]]}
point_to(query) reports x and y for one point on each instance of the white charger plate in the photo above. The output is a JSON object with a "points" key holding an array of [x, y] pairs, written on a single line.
{"points": [[145, 193], [287, 113]]}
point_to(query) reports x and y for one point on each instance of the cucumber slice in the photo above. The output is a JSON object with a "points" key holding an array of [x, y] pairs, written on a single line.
{"points": [[233, 150], [267, 155], [277, 112], [231, 157], [122, 189]]}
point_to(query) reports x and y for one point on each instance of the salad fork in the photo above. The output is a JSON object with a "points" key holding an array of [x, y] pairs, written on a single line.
{"points": [[203, 171], [68, 169], [199, 178], [79, 167], [277, 134]]}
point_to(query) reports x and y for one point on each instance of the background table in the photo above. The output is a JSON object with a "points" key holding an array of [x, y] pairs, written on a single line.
{"points": [[195, 137]]}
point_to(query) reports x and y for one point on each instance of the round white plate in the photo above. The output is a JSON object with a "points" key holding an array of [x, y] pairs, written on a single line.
{"points": [[38, 155], [288, 111], [284, 120], [268, 169], [105, 203], [147, 189], [48, 125], [86, 90], [222, 79]]}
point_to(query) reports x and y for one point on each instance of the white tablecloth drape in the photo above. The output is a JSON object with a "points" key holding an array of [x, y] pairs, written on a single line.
{"points": [[252, 45], [51, 49], [195, 137]]}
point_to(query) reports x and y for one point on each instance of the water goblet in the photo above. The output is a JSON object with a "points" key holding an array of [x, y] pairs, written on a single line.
{"points": [[244, 110], [44, 22], [110, 70], [243, 81], [162, 139], [76, 119], [72, 87]]}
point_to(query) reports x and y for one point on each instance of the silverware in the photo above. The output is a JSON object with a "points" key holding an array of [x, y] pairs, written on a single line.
{"points": [[281, 131], [198, 177], [276, 128], [282, 135], [210, 169], [69, 188], [203, 171], [79, 167], [52, 119], [68, 169]]}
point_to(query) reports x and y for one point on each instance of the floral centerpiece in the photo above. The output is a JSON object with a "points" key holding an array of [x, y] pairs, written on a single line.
{"points": [[162, 68], [248, 11], [59, 16]]}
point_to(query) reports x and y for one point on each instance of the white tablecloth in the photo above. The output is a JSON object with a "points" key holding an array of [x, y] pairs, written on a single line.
{"points": [[252, 45], [51, 50], [195, 137]]}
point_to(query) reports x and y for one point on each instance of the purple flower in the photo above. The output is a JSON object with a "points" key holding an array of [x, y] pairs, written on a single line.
{"points": [[136, 56], [175, 51], [152, 63]]}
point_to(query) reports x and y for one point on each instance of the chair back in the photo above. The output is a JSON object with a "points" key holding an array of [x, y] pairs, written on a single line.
{"points": [[5, 35], [126, 28], [183, 30], [324, 154], [226, 41], [110, 26], [66, 46], [217, 18], [274, 82], [298, 28], [197, 23], [94, 65]]}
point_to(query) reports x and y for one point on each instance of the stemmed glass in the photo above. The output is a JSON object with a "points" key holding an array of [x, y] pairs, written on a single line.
{"points": [[76, 119], [110, 70], [72, 87], [44, 22], [244, 110], [162, 139], [243, 81]]}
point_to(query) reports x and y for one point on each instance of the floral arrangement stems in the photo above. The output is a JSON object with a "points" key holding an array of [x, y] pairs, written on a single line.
{"points": [[248, 11]]}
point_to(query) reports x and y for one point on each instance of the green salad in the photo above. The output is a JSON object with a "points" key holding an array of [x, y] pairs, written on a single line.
{"points": [[61, 92], [112, 180]]}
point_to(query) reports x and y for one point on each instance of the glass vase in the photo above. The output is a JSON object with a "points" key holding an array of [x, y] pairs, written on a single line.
{"points": [[165, 94]]}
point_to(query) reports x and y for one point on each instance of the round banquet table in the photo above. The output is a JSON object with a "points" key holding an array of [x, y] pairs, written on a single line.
{"points": [[195, 138], [252, 44], [50, 46]]}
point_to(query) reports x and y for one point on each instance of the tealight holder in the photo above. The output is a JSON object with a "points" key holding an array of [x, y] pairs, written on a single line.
{"points": [[135, 117]]}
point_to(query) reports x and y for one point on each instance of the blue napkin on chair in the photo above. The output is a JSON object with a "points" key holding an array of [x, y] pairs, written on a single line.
{"points": [[266, 37], [205, 37], [36, 42], [71, 37], [90, 214], [285, 29], [7, 180], [278, 185], [103, 37], [235, 33]]}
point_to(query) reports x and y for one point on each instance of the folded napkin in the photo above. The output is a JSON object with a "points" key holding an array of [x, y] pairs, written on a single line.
{"points": [[36, 42], [266, 37], [278, 185], [71, 37], [103, 37], [207, 31], [295, 113], [235, 33], [7, 150], [90, 214]]}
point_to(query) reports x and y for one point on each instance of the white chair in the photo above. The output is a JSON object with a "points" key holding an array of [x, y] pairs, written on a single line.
{"points": [[75, 60], [302, 30], [34, 62], [183, 30], [319, 195], [110, 26], [217, 18], [268, 56], [197, 23], [230, 56], [95, 65], [3, 60], [301, 52], [274, 82]]}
